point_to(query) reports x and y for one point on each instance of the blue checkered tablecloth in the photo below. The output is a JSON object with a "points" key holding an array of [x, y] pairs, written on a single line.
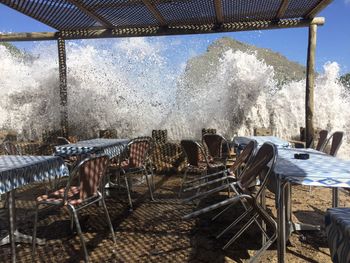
{"points": [[20, 170], [111, 147], [319, 170], [337, 222], [241, 141]]}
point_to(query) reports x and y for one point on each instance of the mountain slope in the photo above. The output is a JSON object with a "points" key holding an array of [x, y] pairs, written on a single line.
{"points": [[285, 70]]}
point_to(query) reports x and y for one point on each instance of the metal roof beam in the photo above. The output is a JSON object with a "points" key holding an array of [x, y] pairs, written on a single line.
{"points": [[155, 12], [91, 14], [161, 31]]}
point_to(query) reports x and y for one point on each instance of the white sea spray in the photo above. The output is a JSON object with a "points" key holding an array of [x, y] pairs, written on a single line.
{"points": [[132, 86]]}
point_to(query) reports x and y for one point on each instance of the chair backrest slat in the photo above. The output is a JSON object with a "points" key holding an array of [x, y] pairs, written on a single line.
{"points": [[321, 139]]}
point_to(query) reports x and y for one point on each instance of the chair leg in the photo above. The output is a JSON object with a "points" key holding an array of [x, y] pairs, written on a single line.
{"points": [[149, 186], [6, 203], [34, 231], [108, 220], [265, 217], [239, 219], [128, 191], [77, 224], [222, 212], [152, 178], [240, 232], [71, 222], [182, 183]]}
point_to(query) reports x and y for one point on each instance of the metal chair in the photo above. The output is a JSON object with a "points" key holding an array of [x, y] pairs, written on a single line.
{"points": [[233, 172], [217, 146], [10, 148], [90, 174], [135, 160], [335, 141], [198, 163], [62, 141], [261, 166], [322, 138]]}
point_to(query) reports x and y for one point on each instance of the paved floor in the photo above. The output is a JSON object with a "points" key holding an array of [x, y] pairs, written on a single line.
{"points": [[152, 232]]}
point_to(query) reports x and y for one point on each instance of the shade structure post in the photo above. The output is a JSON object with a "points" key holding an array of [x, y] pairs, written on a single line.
{"points": [[310, 85], [62, 66]]}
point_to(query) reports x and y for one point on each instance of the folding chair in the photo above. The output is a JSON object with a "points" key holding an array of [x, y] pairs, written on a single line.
{"points": [[198, 163], [90, 174], [233, 173], [261, 166]]}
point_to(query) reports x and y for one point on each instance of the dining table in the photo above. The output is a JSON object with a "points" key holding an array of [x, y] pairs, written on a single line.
{"points": [[319, 169], [110, 147], [17, 171], [239, 142]]}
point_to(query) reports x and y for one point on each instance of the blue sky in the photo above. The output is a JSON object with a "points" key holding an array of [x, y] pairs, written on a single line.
{"points": [[333, 40]]}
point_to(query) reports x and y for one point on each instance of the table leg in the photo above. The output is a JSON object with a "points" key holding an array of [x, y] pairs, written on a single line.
{"points": [[335, 197], [14, 235], [12, 216], [281, 222]]}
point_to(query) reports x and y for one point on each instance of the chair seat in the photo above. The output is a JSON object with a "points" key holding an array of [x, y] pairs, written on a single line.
{"points": [[57, 196], [216, 165], [202, 166]]}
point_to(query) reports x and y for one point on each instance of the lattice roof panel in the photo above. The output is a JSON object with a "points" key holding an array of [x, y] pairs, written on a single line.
{"points": [[132, 14]]}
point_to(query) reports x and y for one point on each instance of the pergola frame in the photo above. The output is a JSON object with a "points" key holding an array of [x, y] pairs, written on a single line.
{"points": [[91, 21]]}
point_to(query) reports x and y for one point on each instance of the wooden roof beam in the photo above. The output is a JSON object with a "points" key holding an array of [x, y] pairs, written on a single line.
{"points": [[155, 12], [91, 14], [158, 31], [283, 8], [318, 8], [33, 36], [219, 12]]}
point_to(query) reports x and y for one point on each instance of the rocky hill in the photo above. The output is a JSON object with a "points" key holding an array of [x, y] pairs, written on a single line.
{"points": [[285, 70], [13, 49]]}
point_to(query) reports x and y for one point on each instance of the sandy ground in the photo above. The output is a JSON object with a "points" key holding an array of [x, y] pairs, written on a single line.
{"points": [[155, 232]]}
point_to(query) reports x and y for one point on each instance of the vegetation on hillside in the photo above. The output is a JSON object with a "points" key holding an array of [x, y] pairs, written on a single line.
{"points": [[345, 80], [12, 49]]}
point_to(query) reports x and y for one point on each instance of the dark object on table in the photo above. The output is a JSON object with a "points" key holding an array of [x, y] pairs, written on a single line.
{"points": [[302, 156]]}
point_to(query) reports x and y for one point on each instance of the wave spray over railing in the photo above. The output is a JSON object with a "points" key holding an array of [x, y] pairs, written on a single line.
{"points": [[136, 85]]}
